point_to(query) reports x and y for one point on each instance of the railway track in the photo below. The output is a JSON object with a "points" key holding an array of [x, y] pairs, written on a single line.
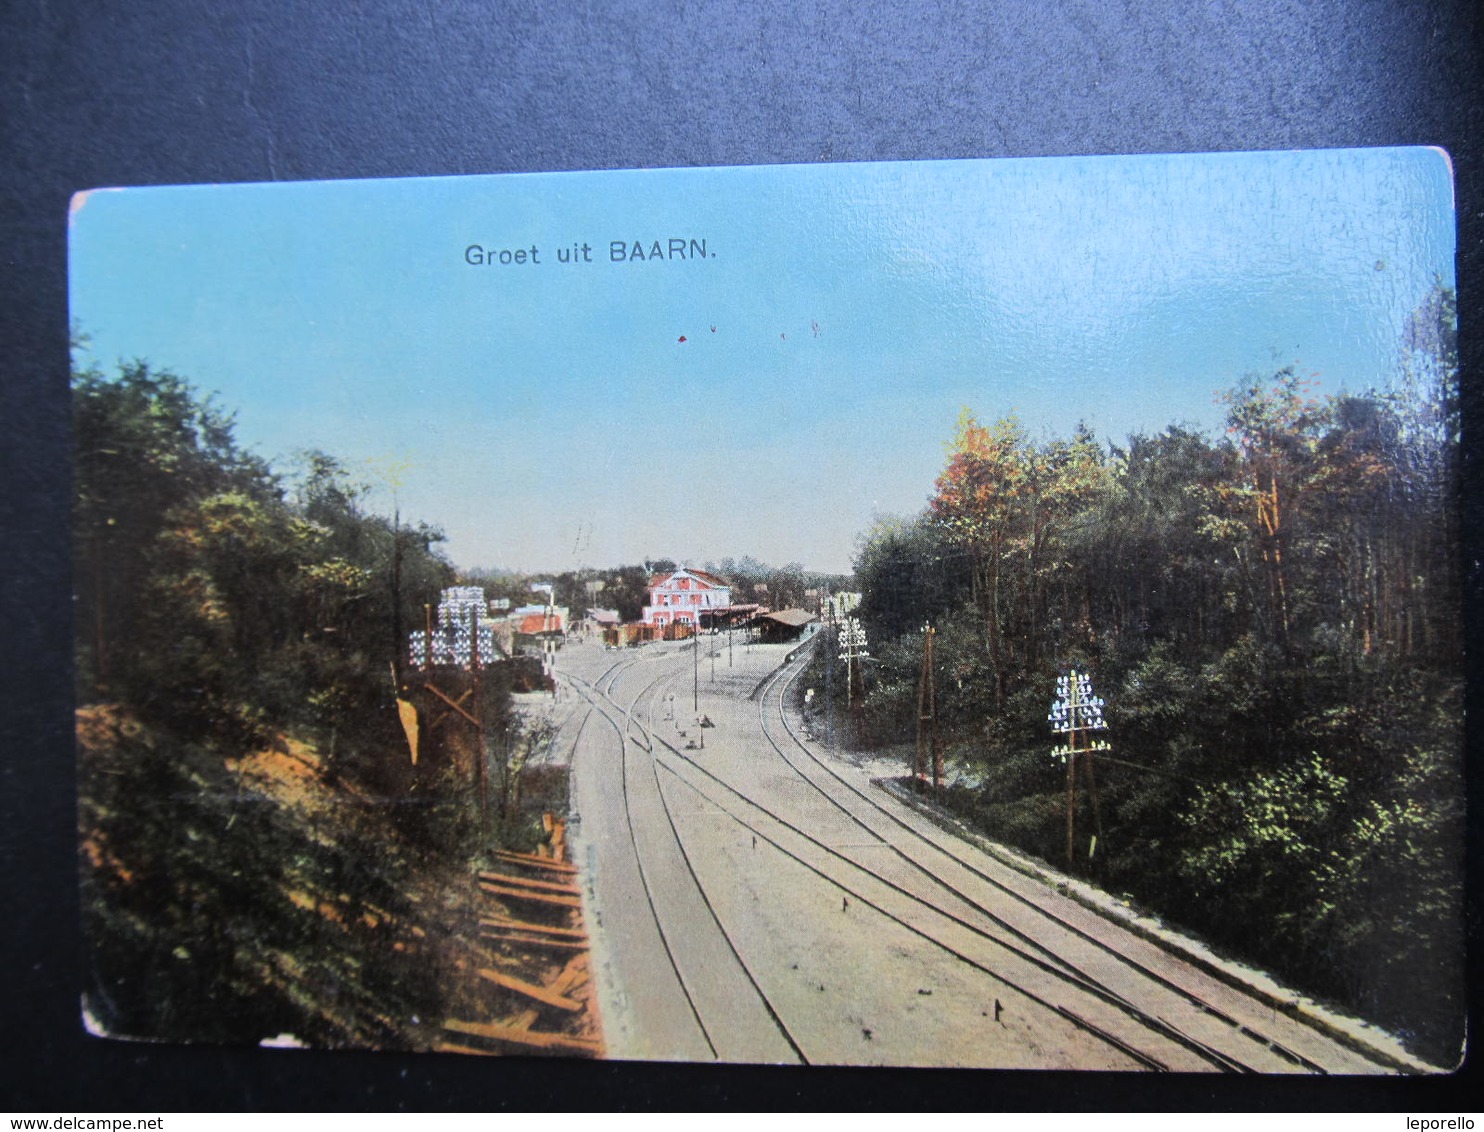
{"points": [[917, 850], [684, 934], [1077, 926], [1052, 963], [1168, 1049], [600, 695]]}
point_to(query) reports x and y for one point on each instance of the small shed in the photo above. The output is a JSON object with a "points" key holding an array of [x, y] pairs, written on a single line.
{"points": [[782, 625], [729, 617], [533, 631]]}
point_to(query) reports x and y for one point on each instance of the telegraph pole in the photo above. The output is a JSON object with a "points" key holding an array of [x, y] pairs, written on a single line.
{"points": [[853, 642], [479, 755], [829, 693], [397, 591], [1075, 713], [460, 612], [927, 719]]}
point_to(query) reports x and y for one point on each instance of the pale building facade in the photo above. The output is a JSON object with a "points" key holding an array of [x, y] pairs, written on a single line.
{"points": [[681, 597]]}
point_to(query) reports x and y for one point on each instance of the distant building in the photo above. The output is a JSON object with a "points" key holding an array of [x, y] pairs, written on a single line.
{"points": [[681, 597], [541, 625], [784, 625], [557, 613], [837, 605], [604, 618], [538, 628]]}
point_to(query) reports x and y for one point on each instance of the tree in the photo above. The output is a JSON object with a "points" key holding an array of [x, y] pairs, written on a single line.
{"points": [[1143, 550], [1429, 421], [910, 573], [1010, 504], [1275, 424], [1271, 618], [146, 445], [978, 502]]}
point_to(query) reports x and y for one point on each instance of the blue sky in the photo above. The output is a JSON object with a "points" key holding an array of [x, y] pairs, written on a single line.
{"points": [[548, 416]]}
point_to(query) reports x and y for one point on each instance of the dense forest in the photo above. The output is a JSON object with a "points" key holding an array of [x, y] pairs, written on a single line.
{"points": [[254, 836], [1273, 619]]}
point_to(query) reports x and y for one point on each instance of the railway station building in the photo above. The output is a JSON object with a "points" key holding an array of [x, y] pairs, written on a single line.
{"points": [[782, 625], [683, 596]]}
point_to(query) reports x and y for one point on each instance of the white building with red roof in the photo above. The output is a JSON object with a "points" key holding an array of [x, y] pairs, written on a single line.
{"points": [[681, 597]]}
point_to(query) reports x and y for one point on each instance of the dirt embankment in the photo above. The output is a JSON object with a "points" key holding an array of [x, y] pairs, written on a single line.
{"points": [[251, 898]]}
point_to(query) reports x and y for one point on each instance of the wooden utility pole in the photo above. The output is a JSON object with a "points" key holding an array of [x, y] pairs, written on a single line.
{"points": [[829, 696], [853, 641], [1074, 713], [1071, 795], [460, 613], [1092, 789], [397, 635], [427, 637], [479, 753], [927, 719]]}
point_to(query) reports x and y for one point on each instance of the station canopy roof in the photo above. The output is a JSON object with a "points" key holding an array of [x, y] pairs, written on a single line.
{"points": [[793, 618]]}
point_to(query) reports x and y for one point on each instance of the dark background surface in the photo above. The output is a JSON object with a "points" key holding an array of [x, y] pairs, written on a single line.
{"points": [[179, 91]]}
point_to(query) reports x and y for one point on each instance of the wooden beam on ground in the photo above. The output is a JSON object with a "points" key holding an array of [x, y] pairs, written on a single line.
{"points": [[522, 882], [529, 1039], [526, 926], [524, 894], [453, 704], [530, 990], [575, 972], [535, 861], [448, 714], [533, 941]]}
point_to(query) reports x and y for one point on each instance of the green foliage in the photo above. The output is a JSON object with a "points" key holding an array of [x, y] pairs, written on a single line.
{"points": [[910, 574], [208, 598], [1277, 826], [1273, 619], [217, 914], [217, 615]]}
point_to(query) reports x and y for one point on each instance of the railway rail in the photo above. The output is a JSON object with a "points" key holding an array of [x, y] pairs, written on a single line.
{"points": [[1343, 1054], [717, 1028], [1052, 961]]}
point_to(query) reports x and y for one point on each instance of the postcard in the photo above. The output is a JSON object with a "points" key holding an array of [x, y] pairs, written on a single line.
{"points": [[994, 613]]}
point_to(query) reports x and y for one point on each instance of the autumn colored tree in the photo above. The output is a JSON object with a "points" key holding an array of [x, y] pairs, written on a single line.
{"points": [[1273, 616], [980, 504], [1007, 503]]}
